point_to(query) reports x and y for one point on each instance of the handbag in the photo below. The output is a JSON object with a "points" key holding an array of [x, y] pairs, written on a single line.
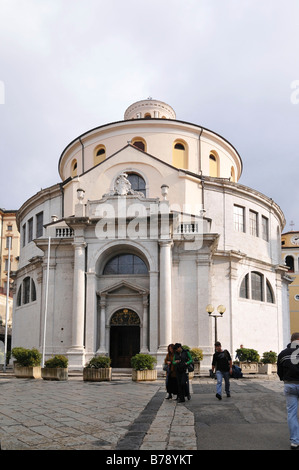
{"points": [[212, 374], [165, 367], [190, 367]]}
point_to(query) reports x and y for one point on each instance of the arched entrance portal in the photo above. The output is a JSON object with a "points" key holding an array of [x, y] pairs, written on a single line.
{"points": [[124, 337]]}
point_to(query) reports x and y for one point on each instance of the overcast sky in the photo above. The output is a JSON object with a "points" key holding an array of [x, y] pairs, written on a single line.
{"points": [[232, 66]]}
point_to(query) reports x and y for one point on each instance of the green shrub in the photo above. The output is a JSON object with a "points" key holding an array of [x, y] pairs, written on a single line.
{"points": [[57, 362], [27, 357], [248, 355], [99, 362], [143, 362], [196, 354], [269, 357]]}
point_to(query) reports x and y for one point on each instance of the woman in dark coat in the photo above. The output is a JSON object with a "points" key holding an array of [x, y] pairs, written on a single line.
{"points": [[171, 380]]}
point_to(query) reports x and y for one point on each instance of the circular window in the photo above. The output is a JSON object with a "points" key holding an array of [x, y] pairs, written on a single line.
{"points": [[296, 297]]}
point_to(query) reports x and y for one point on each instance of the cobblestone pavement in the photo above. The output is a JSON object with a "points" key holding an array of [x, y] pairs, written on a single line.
{"points": [[126, 415]]}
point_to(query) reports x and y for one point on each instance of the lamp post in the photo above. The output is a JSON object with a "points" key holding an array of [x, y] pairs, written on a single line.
{"points": [[210, 309]]}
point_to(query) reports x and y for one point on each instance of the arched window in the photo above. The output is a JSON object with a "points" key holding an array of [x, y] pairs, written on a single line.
{"points": [[289, 261], [269, 293], [125, 264], [137, 182], [33, 291], [26, 292], [180, 154], [19, 297], [213, 165], [99, 155], [139, 143], [147, 116], [256, 286], [244, 289], [74, 168]]}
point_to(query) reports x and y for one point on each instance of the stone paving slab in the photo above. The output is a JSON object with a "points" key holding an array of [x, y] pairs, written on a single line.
{"points": [[123, 415]]}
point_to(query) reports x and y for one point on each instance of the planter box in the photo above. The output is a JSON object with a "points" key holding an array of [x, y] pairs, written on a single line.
{"points": [[249, 367], [92, 374], [144, 375], [27, 372], [196, 368], [267, 368], [54, 373]]}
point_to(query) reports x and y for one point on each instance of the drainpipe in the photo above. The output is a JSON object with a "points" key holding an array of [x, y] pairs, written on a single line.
{"points": [[200, 171], [82, 154], [199, 151]]}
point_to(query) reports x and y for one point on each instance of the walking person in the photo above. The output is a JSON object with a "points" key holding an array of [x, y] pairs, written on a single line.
{"points": [[288, 371], [171, 380], [182, 358], [222, 363]]}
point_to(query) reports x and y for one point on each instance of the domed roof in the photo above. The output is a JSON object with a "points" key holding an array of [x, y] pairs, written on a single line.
{"points": [[147, 109]]}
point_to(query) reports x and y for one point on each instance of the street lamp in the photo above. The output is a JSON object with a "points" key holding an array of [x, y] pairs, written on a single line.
{"points": [[210, 309]]}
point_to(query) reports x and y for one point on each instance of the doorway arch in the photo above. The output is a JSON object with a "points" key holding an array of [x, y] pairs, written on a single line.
{"points": [[124, 337]]}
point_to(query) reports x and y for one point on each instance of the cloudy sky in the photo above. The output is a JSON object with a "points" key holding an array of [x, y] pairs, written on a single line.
{"points": [[232, 66]]}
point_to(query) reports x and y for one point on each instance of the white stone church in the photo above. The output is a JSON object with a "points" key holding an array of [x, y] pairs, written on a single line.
{"points": [[147, 228]]}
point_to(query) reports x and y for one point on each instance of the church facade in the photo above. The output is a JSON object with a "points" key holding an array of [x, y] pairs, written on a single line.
{"points": [[147, 230]]}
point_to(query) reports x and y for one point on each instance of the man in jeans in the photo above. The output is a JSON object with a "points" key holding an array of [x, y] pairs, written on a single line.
{"points": [[222, 362], [288, 371]]}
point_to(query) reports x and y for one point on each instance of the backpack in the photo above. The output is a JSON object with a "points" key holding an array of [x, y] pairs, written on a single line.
{"points": [[237, 372]]}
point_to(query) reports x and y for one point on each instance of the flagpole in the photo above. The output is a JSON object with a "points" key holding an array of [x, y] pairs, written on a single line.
{"points": [[46, 303], [7, 299]]}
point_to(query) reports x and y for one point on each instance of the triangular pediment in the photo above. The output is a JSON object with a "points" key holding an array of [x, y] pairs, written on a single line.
{"points": [[123, 288]]}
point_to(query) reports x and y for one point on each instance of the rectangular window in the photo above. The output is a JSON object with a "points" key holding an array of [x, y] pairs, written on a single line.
{"points": [[239, 219], [9, 228], [265, 228], [39, 224], [30, 230], [253, 223]]}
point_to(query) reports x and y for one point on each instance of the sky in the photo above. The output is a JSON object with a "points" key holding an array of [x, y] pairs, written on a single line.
{"points": [[232, 66]]}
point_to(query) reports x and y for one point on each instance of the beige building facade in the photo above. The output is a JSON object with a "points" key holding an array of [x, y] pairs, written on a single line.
{"points": [[9, 234]]}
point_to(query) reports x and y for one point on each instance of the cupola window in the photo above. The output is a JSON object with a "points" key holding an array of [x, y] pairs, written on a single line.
{"points": [[99, 155], [74, 168], [213, 165], [139, 143], [180, 155]]}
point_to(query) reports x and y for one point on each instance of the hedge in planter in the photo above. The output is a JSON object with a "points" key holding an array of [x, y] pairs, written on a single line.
{"points": [[98, 369], [55, 368], [28, 362], [247, 355], [143, 367]]}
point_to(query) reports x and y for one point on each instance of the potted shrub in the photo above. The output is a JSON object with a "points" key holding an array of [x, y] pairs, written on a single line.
{"points": [[249, 359], [143, 367], [197, 356], [268, 363], [28, 363], [56, 368], [98, 369]]}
